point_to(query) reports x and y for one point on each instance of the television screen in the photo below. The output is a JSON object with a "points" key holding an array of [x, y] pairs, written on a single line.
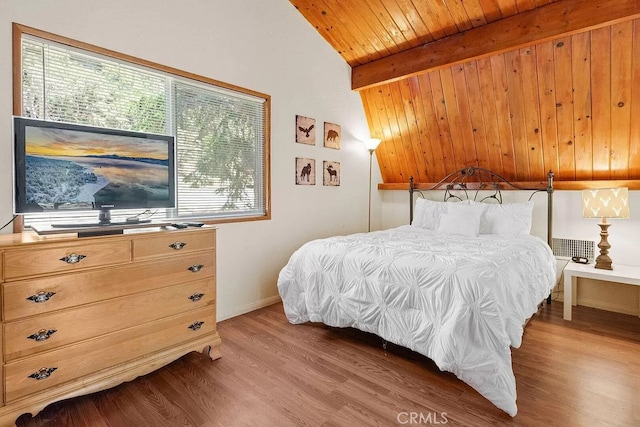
{"points": [[62, 166]]}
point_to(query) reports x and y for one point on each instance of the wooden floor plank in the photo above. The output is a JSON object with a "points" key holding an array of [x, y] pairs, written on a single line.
{"points": [[272, 373]]}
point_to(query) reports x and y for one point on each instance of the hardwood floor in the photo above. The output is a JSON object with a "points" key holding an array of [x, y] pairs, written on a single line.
{"points": [[580, 373]]}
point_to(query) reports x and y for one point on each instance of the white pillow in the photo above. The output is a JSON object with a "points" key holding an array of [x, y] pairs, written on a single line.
{"points": [[466, 207], [460, 223], [427, 213], [506, 219]]}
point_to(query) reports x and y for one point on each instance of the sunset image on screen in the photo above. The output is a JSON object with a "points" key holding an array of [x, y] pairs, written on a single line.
{"points": [[75, 169]]}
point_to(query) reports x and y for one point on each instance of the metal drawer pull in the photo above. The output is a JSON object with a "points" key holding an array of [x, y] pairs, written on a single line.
{"points": [[196, 325], [42, 334], [196, 297], [177, 245], [196, 267], [43, 373], [41, 296], [73, 258]]}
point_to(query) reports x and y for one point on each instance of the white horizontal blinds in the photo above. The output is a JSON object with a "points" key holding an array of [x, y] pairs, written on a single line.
{"points": [[32, 79], [86, 88], [64, 84], [220, 152], [220, 132]]}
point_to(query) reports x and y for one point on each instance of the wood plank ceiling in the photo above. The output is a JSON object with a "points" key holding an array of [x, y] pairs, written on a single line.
{"points": [[564, 97]]}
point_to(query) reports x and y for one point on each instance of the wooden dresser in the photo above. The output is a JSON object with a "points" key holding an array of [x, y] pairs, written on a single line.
{"points": [[84, 314]]}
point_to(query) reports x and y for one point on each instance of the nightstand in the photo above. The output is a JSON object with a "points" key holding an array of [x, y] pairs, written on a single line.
{"points": [[627, 274]]}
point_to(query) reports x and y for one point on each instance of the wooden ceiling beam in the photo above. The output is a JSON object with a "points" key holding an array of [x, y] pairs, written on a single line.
{"points": [[559, 19]]}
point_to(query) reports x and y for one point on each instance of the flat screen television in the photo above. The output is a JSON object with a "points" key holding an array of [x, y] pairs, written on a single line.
{"points": [[68, 167]]}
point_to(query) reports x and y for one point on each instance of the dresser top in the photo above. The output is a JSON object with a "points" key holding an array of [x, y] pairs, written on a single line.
{"points": [[31, 237]]}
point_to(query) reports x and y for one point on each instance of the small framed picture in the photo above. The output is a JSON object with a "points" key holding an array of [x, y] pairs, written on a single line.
{"points": [[305, 130], [332, 134], [305, 171], [331, 173]]}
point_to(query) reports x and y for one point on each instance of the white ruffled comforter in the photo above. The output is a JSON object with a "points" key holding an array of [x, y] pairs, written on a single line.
{"points": [[460, 301]]}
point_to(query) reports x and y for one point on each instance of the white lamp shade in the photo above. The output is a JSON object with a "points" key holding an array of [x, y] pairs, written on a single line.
{"points": [[371, 143], [605, 203]]}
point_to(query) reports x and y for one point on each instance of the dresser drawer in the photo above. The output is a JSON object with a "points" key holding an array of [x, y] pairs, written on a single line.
{"points": [[91, 356], [62, 258], [37, 334], [173, 243], [37, 296]]}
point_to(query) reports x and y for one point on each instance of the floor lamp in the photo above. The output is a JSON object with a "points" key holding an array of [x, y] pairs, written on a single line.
{"points": [[371, 144]]}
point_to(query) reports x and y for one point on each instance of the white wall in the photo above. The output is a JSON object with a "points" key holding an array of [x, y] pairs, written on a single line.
{"points": [[263, 45]]}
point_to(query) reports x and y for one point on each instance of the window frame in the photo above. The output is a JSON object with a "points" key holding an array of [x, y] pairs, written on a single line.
{"points": [[19, 30]]}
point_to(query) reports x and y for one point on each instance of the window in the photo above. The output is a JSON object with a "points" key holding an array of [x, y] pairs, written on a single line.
{"points": [[221, 131]]}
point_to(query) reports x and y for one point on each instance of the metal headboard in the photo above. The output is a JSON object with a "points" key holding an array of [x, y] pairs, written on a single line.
{"points": [[466, 183]]}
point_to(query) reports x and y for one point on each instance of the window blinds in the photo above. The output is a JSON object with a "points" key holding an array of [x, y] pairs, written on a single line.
{"points": [[220, 133]]}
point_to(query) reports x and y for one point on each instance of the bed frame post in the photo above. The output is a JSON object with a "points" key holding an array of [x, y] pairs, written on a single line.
{"points": [[550, 208], [549, 215], [410, 200]]}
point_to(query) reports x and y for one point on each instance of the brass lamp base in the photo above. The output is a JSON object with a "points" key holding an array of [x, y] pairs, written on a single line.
{"points": [[604, 261]]}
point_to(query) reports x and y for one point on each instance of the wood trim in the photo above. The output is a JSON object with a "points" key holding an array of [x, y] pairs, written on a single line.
{"points": [[633, 184], [559, 19], [18, 222], [17, 75], [267, 161]]}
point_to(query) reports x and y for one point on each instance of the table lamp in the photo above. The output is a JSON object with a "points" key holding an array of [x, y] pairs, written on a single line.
{"points": [[605, 203]]}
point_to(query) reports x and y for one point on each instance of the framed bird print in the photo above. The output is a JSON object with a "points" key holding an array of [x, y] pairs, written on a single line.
{"points": [[305, 130], [332, 135]]}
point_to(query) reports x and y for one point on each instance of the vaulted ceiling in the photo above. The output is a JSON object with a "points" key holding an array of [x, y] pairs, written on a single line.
{"points": [[516, 86]]}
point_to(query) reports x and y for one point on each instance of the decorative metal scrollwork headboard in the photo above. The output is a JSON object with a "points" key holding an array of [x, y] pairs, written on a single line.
{"points": [[467, 183]]}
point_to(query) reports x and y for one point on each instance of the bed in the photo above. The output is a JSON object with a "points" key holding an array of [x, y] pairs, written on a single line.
{"points": [[457, 284]]}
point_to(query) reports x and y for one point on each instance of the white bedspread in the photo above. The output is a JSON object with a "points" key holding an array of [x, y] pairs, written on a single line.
{"points": [[460, 301]]}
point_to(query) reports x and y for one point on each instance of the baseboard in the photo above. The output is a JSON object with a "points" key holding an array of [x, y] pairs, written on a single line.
{"points": [[608, 307], [247, 308]]}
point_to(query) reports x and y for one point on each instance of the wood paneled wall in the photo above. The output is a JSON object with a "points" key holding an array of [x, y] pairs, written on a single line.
{"points": [[362, 31], [571, 105]]}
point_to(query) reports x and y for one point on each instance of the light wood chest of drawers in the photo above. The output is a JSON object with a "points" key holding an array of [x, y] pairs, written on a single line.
{"points": [[82, 315]]}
